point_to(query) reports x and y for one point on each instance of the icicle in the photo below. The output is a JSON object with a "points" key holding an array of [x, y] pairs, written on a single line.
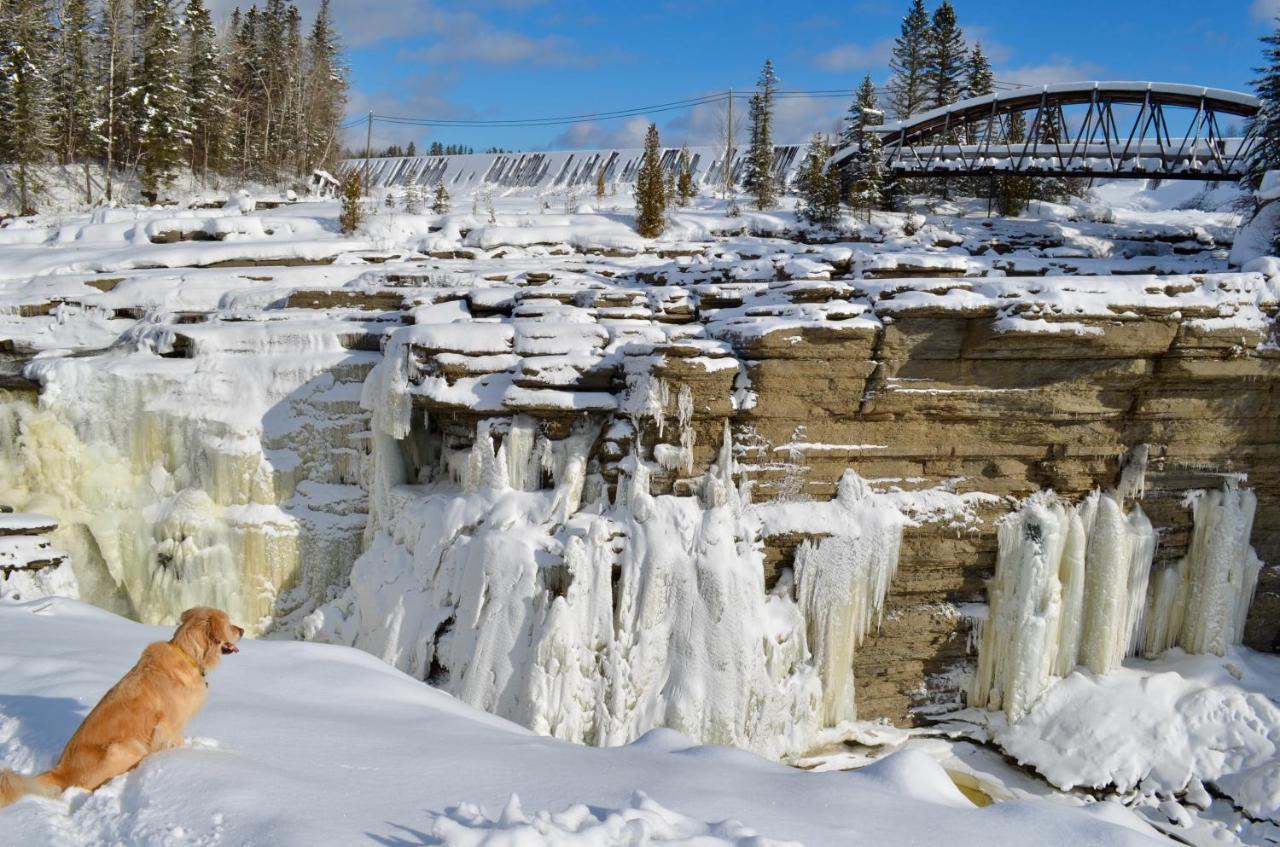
{"points": [[842, 584], [1221, 570], [522, 468], [1133, 478]]}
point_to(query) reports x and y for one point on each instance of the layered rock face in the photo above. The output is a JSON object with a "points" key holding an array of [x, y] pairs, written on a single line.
{"points": [[998, 387]]}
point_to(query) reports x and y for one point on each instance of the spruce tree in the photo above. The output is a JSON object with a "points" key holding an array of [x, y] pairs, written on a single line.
{"points": [[862, 179], [206, 90], [871, 187], [1014, 191], [819, 188], [946, 68], [413, 199], [866, 104], [26, 41], [1266, 125], [651, 202], [159, 97], [686, 186], [759, 180], [73, 85], [326, 88], [908, 87], [350, 215], [600, 183], [979, 80], [440, 203]]}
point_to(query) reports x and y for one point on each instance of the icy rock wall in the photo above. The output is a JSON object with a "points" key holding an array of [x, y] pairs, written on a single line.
{"points": [[514, 577], [191, 481], [1074, 586]]}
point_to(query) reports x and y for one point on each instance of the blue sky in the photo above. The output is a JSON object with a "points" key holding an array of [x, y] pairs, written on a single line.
{"points": [[492, 59]]}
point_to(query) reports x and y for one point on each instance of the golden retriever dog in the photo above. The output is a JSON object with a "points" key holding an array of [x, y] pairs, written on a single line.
{"points": [[144, 713]]}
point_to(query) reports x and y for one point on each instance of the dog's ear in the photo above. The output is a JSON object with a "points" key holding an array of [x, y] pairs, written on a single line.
{"points": [[189, 614]]}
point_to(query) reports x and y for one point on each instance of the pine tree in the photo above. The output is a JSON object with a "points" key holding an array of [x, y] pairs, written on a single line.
{"points": [[159, 97], [651, 201], [1266, 126], [440, 204], [26, 40], [870, 190], [862, 179], [686, 186], [908, 87], [350, 216], [819, 188], [73, 86], [114, 73], [326, 91], [411, 151], [206, 90], [1013, 192], [979, 80], [865, 105], [947, 60], [600, 185], [759, 179], [413, 199]]}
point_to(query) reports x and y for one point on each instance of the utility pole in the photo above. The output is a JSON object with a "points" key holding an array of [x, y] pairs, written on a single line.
{"points": [[728, 150], [368, 151]]}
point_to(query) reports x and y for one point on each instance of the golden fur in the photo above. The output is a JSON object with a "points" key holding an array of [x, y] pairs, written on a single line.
{"points": [[144, 713]]}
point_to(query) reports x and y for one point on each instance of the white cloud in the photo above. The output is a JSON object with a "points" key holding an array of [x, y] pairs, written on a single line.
{"points": [[503, 47], [1057, 69], [855, 57], [1265, 10], [596, 136]]}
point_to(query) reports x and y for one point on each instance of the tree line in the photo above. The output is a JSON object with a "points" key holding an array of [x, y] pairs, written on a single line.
{"points": [[150, 87]]}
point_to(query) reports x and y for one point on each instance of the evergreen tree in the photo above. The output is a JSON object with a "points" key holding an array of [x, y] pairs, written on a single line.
{"points": [[413, 199], [350, 216], [600, 186], [206, 91], [866, 105], [1266, 126], [651, 201], [979, 80], [158, 97], [26, 109], [947, 64], [870, 189], [759, 180], [819, 188], [411, 151], [440, 203], [73, 84], [114, 74], [326, 91], [908, 87], [1013, 192], [686, 186], [862, 178]]}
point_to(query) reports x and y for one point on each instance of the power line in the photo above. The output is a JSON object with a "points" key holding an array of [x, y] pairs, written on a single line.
{"points": [[617, 114]]}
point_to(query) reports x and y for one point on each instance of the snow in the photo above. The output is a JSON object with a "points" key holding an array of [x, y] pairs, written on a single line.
{"points": [[304, 744]]}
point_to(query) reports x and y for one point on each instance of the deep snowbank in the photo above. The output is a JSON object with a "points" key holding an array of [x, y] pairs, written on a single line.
{"points": [[304, 744]]}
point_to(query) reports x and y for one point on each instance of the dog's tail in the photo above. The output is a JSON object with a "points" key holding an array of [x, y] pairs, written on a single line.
{"points": [[15, 785]]}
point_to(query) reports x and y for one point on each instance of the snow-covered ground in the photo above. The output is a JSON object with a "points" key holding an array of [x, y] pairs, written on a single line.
{"points": [[304, 744]]}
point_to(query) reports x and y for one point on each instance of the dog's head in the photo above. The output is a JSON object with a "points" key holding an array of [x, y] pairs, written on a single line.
{"points": [[208, 635]]}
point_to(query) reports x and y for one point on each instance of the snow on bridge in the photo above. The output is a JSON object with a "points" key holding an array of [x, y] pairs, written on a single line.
{"points": [[1139, 130]]}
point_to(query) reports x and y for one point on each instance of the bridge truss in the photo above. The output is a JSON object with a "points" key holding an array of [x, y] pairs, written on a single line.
{"points": [[1135, 130]]}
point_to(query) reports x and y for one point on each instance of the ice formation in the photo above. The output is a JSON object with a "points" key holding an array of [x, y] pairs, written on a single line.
{"points": [[179, 482], [1074, 586], [1201, 603], [503, 571]]}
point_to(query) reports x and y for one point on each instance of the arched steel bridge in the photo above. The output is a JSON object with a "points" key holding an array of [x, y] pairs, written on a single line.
{"points": [[1136, 130]]}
